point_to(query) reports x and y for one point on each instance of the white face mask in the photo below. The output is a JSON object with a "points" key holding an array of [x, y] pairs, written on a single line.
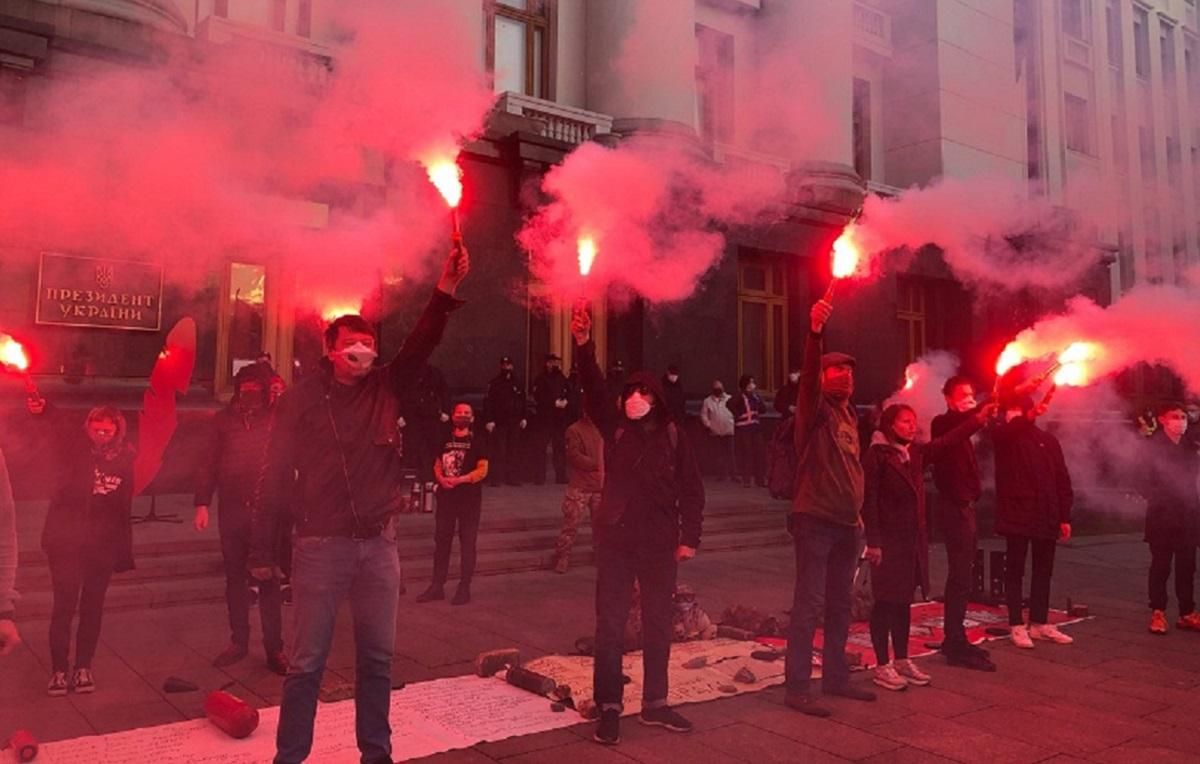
{"points": [[1175, 428], [672, 378], [1012, 414], [359, 357], [966, 404], [636, 406], [751, 387], [794, 376]]}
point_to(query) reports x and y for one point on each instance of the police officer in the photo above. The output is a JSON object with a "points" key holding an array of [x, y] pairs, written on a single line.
{"points": [[551, 399], [505, 419]]}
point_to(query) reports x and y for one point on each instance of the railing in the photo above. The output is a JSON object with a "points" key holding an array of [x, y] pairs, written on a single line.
{"points": [[562, 123], [310, 62]]}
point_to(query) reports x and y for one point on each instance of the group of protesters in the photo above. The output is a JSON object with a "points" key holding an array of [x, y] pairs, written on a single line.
{"points": [[310, 483]]}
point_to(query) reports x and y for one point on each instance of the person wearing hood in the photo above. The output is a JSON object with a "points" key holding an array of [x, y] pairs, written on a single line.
{"points": [[504, 421], [1168, 483], [233, 466], [676, 397], [959, 486], [718, 424], [648, 521], [748, 446], [826, 515], [1033, 513], [88, 534], [333, 463], [897, 531]]}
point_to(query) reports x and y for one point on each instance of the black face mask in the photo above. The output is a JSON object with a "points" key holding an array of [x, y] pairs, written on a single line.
{"points": [[840, 389], [462, 423], [718, 391], [899, 440]]}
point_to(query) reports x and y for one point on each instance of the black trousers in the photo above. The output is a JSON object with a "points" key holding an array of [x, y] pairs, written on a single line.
{"points": [[504, 463], [235, 549], [894, 620], [1184, 558], [451, 514], [751, 453], [553, 434], [720, 455], [80, 581], [422, 439], [617, 566], [1039, 585], [959, 533]]}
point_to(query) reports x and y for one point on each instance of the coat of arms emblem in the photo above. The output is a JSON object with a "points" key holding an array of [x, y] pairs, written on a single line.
{"points": [[104, 276]]}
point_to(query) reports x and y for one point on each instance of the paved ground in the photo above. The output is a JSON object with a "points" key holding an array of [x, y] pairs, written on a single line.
{"points": [[1117, 695]]}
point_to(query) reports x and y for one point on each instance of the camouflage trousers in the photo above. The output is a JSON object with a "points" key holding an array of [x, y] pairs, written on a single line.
{"points": [[575, 505]]}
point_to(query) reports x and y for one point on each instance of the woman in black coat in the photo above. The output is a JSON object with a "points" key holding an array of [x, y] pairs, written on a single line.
{"points": [[88, 534], [897, 531]]}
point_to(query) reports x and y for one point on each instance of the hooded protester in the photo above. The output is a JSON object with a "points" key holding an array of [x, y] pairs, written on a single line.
{"points": [[233, 465], [504, 417], [648, 521], [676, 398], [1172, 517], [825, 520], [785, 397], [10, 637], [897, 530], [747, 409], [334, 465], [1033, 512], [718, 424], [959, 486], [88, 534]]}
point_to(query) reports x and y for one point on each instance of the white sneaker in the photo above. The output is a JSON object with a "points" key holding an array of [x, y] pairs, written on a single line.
{"points": [[913, 675], [887, 677], [1020, 637], [1050, 633], [58, 684]]}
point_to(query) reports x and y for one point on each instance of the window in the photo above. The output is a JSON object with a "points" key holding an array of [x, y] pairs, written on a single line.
{"points": [[1112, 28], [861, 119], [762, 318], [304, 19], [1077, 19], [1120, 153], [1141, 42], [245, 315], [1079, 124], [910, 310], [1166, 42], [714, 84], [520, 46]]}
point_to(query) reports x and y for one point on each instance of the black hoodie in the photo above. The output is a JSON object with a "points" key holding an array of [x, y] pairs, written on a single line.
{"points": [[653, 495]]}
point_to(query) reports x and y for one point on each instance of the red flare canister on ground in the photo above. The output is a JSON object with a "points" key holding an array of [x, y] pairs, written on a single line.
{"points": [[234, 716], [24, 745]]}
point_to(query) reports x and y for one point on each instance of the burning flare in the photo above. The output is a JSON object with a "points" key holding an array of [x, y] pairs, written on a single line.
{"points": [[587, 254], [12, 354], [336, 310], [910, 377], [1010, 357], [846, 254], [446, 176], [1073, 364]]}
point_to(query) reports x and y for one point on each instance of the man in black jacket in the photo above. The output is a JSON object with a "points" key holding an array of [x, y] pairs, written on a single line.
{"points": [[551, 400], [233, 464], [676, 398], [956, 476], [649, 519], [426, 410], [504, 417], [333, 460]]}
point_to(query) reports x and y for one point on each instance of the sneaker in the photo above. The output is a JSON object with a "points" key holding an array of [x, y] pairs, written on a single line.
{"points": [[83, 682], [433, 593], [887, 678], [608, 731], [912, 675], [58, 684], [1050, 633], [1189, 622], [848, 691], [462, 595], [229, 656], [1020, 637], [1158, 622], [664, 716], [278, 663], [805, 704]]}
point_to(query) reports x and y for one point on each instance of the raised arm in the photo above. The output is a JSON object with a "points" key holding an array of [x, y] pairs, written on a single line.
{"points": [[808, 393], [943, 443], [425, 336], [595, 391]]}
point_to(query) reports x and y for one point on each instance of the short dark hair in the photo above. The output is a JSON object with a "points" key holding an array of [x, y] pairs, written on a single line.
{"points": [[352, 322], [956, 381]]}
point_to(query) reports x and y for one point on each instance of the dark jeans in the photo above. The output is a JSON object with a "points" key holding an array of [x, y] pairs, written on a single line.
{"points": [[894, 620], [235, 549], [721, 455], [1039, 585], [555, 435], [504, 462], [960, 536], [451, 513], [826, 555], [1185, 571], [326, 570], [616, 568], [80, 581], [751, 453]]}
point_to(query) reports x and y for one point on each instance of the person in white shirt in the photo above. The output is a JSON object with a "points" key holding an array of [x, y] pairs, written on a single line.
{"points": [[718, 424]]}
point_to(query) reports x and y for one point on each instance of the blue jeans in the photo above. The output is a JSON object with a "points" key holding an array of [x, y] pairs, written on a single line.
{"points": [[325, 571], [826, 555]]}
